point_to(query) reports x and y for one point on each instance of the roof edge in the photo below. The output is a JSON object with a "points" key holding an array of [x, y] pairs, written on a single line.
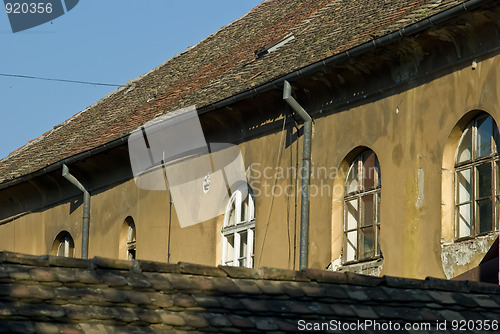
{"points": [[269, 274]]}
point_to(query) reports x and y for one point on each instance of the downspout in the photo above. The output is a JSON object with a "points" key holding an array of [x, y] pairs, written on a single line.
{"points": [[305, 173], [86, 210]]}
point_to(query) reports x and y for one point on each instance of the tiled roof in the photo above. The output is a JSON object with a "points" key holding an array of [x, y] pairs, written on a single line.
{"points": [[222, 65], [55, 294]]}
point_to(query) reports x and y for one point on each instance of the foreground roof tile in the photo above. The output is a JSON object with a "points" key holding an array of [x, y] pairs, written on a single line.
{"points": [[102, 296]]}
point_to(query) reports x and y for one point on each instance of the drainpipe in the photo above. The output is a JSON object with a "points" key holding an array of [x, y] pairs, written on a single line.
{"points": [[305, 171], [86, 210]]}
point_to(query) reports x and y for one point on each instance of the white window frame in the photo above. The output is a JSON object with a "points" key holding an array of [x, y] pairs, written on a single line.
{"points": [[237, 229]]}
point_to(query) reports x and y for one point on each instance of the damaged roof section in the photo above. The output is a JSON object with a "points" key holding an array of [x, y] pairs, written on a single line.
{"points": [[53, 294], [298, 33]]}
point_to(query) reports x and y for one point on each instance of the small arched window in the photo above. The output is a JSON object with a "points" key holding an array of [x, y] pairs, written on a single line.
{"points": [[63, 245], [129, 225], [362, 209], [238, 238], [476, 178]]}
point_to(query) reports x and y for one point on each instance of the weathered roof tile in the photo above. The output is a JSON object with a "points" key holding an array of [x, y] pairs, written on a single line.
{"points": [[218, 320], [194, 320], [201, 302], [188, 268], [225, 285], [343, 310], [442, 297], [172, 318], [485, 301], [241, 322], [240, 272], [366, 312]]}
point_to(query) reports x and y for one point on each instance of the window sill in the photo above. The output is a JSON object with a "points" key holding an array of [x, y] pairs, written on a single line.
{"points": [[371, 267]]}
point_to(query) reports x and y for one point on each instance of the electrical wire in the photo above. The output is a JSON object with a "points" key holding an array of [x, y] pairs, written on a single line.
{"points": [[59, 80], [278, 161]]}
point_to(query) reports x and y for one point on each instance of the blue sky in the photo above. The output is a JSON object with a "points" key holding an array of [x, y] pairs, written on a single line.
{"points": [[105, 41]]}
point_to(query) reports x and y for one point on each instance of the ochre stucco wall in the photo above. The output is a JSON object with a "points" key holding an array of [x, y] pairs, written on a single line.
{"points": [[407, 129]]}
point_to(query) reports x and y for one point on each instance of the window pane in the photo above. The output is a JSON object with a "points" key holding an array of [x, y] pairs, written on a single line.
{"points": [[131, 254], [484, 215], [232, 216], [366, 243], [378, 241], [252, 244], [367, 210], [351, 246], [464, 191], [377, 208], [464, 221], [484, 180], [369, 170], [352, 214], [61, 249], [244, 212], [484, 135], [497, 177], [229, 250], [496, 138], [243, 249], [464, 151], [352, 183]]}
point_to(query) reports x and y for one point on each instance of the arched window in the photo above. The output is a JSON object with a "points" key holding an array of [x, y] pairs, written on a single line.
{"points": [[238, 231], [476, 177], [127, 239], [362, 209], [63, 245]]}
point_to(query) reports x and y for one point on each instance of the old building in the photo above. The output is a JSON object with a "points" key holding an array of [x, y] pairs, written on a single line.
{"points": [[404, 170]]}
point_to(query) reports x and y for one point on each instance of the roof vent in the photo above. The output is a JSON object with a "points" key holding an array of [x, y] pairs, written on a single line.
{"points": [[274, 45]]}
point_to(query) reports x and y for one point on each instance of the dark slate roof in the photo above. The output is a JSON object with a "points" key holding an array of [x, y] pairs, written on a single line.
{"points": [[53, 294], [222, 65]]}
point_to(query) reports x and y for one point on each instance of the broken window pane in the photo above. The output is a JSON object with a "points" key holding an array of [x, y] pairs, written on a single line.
{"points": [[352, 183], [369, 170], [464, 152], [366, 243]]}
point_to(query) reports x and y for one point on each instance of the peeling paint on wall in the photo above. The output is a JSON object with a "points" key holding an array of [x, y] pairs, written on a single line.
{"points": [[459, 257]]}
